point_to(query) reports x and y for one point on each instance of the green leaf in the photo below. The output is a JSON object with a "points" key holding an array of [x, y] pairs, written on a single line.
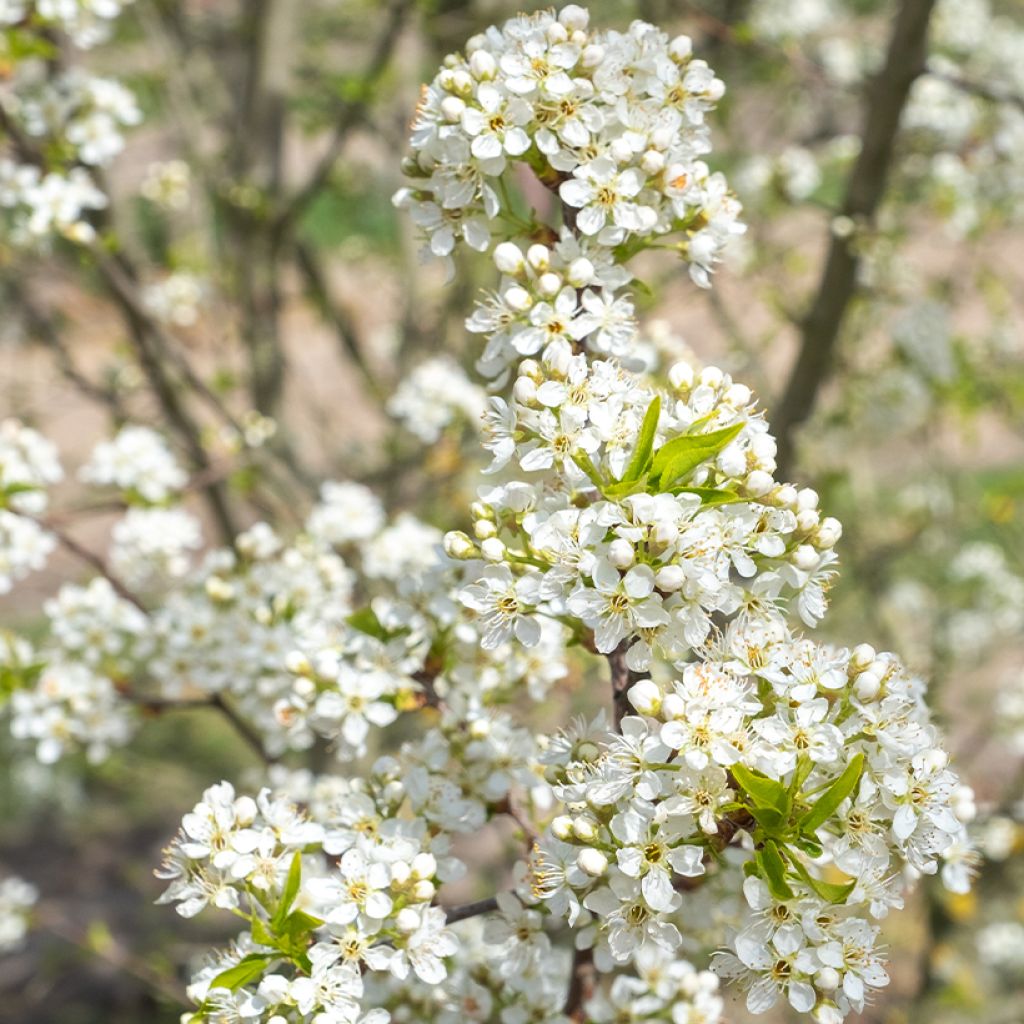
{"points": [[624, 488], [582, 459], [773, 822], [642, 454], [366, 621], [773, 871], [291, 890], [710, 495], [682, 455], [831, 892], [763, 791], [829, 801], [261, 933], [248, 969]]}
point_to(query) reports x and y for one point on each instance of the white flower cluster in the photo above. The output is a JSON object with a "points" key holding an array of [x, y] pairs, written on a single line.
{"points": [[28, 465], [753, 791], [825, 754], [177, 299], [67, 120], [85, 111], [87, 22], [17, 898], [436, 394], [138, 462], [613, 123]]}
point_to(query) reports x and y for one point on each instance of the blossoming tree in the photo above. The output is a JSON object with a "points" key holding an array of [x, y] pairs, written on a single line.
{"points": [[748, 804]]}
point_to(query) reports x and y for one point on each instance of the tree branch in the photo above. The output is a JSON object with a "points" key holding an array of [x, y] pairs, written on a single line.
{"points": [[467, 910], [887, 96]]}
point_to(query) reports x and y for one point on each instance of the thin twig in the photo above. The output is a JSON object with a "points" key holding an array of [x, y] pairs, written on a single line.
{"points": [[887, 96], [467, 910], [348, 117]]}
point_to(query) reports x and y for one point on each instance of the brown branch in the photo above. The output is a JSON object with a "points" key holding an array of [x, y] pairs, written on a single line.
{"points": [[983, 90], [335, 315], [243, 728], [81, 552], [467, 910], [622, 678], [349, 115], [886, 98], [581, 985], [107, 948]]}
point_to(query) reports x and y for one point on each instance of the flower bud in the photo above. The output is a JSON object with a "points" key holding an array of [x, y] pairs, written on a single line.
{"points": [[585, 829], [669, 578], [304, 688], [245, 811], [934, 760], [452, 108], [759, 483], [539, 257], [424, 890], [964, 806], [518, 299], [672, 706], [806, 558], [807, 498], [621, 150], [827, 979], [680, 48], [787, 496], [458, 545], [508, 258], [400, 872], [556, 34], [867, 685], [680, 376], [462, 82], [863, 655], [665, 532], [621, 553], [561, 827], [484, 528], [652, 162], [807, 520], [645, 696], [479, 728], [479, 510], [574, 17], [424, 865], [738, 395], [581, 272], [829, 532], [711, 377], [407, 920], [524, 391], [493, 550], [298, 664], [592, 862], [549, 284], [592, 55], [483, 65]]}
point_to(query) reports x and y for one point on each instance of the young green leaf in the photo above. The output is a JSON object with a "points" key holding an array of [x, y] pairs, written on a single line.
{"points": [[829, 801], [763, 791], [682, 455], [246, 970], [291, 890], [773, 871], [831, 892], [641, 460], [366, 621], [710, 495]]}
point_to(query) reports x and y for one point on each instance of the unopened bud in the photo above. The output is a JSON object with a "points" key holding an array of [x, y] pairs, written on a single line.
{"points": [[493, 550], [680, 376], [518, 299], [458, 545], [669, 578], [592, 862], [407, 920], [508, 258], [621, 553], [561, 827]]}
